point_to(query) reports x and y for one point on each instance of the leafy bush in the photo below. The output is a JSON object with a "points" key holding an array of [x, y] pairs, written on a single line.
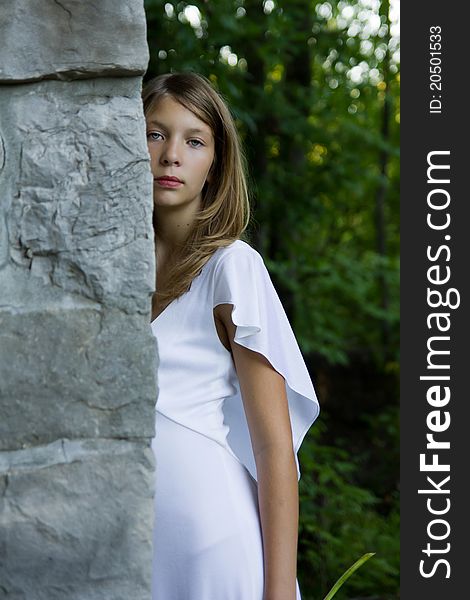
{"points": [[339, 522]]}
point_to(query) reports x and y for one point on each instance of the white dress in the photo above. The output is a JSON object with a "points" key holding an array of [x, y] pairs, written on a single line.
{"points": [[207, 535]]}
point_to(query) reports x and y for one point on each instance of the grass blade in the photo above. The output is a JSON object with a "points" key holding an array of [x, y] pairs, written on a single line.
{"points": [[347, 574]]}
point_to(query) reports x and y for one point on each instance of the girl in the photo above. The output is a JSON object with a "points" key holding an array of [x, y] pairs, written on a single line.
{"points": [[235, 399]]}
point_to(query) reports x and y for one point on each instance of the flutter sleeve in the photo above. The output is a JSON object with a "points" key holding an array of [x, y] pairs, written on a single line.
{"points": [[241, 279]]}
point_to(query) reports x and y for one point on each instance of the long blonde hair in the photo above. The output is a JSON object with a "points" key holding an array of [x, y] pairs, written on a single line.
{"points": [[225, 210]]}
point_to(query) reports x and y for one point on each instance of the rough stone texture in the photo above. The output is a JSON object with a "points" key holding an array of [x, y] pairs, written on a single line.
{"points": [[75, 373], [49, 549], [71, 39], [77, 270], [76, 173]]}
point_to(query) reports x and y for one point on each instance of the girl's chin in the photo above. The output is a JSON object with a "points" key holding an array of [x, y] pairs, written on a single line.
{"points": [[162, 204]]}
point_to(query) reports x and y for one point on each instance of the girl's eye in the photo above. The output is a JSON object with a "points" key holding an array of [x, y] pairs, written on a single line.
{"points": [[195, 143], [153, 135]]}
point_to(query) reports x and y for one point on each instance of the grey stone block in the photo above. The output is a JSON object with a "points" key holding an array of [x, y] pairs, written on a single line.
{"points": [[75, 518], [77, 188], [72, 39], [75, 373]]}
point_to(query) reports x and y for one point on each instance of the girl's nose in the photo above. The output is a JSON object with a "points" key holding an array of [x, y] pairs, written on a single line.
{"points": [[170, 155]]}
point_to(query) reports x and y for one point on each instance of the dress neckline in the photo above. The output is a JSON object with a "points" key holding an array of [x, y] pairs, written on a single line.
{"points": [[190, 287], [165, 309]]}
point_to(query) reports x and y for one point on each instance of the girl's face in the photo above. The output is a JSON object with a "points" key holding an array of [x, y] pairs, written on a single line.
{"points": [[181, 148]]}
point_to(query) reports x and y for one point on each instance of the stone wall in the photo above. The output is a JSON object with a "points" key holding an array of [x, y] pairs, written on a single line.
{"points": [[77, 357]]}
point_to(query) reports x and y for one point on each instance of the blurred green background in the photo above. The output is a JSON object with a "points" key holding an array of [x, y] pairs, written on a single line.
{"points": [[314, 87]]}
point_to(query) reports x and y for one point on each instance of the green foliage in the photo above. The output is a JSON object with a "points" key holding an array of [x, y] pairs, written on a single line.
{"points": [[314, 87], [340, 520]]}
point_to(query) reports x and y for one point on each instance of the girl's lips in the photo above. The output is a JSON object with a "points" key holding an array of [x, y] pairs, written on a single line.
{"points": [[168, 183]]}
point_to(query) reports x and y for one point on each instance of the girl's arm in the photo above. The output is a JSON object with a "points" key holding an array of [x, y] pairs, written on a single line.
{"points": [[265, 402]]}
